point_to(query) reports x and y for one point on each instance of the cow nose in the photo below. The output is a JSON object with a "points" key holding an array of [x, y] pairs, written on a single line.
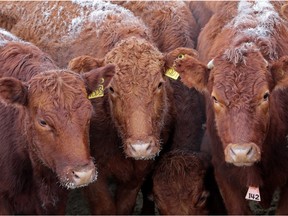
{"points": [[84, 175], [242, 154], [141, 149]]}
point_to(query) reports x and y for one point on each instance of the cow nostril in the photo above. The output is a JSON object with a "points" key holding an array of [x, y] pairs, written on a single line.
{"points": [[250, 151], [149, 147], [75, 175], [232, 152], [133, 149]]}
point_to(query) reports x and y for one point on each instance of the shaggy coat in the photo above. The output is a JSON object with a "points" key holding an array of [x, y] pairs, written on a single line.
{"points": [[175, 27], [171, 23], [134, 118], [120, 120], [246, 93], [44, 128]]}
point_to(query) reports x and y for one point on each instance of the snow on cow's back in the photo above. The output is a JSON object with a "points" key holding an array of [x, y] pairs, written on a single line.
{"points": [[257, 21], [69, 19], [6, 36]]}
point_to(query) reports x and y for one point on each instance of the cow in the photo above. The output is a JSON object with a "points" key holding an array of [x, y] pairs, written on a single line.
{"points": [[181, 134], [134, 118], [179, 183], [172, 23], [173, 26], [44, 128], [241, 68]]}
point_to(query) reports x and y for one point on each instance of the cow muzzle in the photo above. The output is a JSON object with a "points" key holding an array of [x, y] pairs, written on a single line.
{"points": [[80, 176], [242, 154], [141, 149]]}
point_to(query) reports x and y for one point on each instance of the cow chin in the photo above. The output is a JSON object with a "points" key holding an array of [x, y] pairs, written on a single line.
{"points": [[78, 177], [142, 149]]}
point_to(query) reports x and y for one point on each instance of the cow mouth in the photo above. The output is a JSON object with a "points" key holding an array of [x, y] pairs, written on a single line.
{"points": [[151, 157], [243, 164], [242, 154], [78, 179], [142, 150]]}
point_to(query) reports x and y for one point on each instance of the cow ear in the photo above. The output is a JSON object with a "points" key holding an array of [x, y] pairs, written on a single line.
{"points": [[279, 71], [85, 63], [13, 91], [193, 73], [101, 75]]}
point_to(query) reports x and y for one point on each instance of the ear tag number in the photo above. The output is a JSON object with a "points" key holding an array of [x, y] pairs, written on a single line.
{"points": [[172, 73], [99, 92], [253, 194]]}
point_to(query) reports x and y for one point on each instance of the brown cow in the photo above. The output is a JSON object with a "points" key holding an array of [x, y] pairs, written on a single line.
{"points": [[171, 22], [173, 26], [125, 55], [246, 91], [179, 186], [201, 11], [45, 116], [136, 110]]}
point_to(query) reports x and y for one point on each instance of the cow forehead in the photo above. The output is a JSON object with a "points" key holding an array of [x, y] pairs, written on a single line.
{"points": [[58, 89], [241, 82], [138, 64]]}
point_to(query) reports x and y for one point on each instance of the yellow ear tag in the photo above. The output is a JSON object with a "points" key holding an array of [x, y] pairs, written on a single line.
{"points": [[99, 92], [172, 73]]}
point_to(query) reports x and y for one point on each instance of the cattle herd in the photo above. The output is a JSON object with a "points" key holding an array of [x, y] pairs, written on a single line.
{"points": [[185, 102]]}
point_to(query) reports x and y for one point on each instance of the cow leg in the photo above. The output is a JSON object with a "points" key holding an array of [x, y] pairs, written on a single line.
{"points": [[282, 208], [233, 196], [100, 198], [126, 198], [148, 207]]}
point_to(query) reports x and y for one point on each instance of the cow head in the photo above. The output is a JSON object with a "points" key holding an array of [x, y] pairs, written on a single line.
{"points": [[178, 183], [239, 95], [57, 114], [137, 94]]}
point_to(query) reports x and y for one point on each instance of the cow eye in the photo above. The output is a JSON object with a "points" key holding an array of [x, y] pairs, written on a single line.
{"points": [[111, 89], [214, 99], [43, 123], [160, 85], [266, 96]]}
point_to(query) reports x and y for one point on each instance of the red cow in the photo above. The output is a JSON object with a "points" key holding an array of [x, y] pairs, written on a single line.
{"points": [[130, 53], [44, 125], [134, 117], [179, 183], [245, 86], [171, 22], [172, 26]]}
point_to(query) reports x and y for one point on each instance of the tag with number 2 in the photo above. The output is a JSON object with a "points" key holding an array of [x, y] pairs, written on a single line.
{"points": [[253, 194]]}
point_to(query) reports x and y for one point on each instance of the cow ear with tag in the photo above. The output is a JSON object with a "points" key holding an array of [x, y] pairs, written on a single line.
{"points": [[85, 63], [279, 71], [13, 91], [193, 73], [98, 79]]}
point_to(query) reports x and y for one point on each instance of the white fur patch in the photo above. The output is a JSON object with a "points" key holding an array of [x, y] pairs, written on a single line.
{"points": [[6, 36], [256, 20]]}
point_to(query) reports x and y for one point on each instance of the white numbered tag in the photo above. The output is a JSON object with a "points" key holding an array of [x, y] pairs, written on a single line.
{"points": [[253, 194]]}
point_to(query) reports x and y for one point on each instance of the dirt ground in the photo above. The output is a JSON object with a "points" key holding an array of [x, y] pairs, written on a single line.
{"points": [[77, 205]]}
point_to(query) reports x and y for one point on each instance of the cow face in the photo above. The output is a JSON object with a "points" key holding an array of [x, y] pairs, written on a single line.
{"points": [[239, 97], [57, 120], [178, 184], [137, 95]]}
